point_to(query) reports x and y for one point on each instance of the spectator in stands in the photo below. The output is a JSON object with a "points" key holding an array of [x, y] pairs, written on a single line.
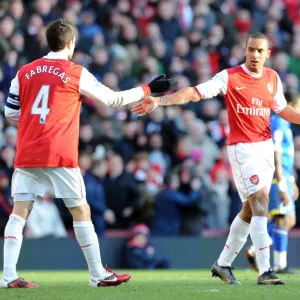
{"points": [[101, 62], [167, 20], [219, 129], [155, 122], [203, 143], [157, 155], [139, 165], [162, 52], [169, 203], [17, 12], [183, 150], [191, 184], [95, 196], [9, 68], [126, 146], [111, 128], [292, 83], [260, 14], [121, 192], [7, 156], [220, 201], [139, 253], [121, 68], [88, 29], [87, 142], [45, 10], [281, 64]]}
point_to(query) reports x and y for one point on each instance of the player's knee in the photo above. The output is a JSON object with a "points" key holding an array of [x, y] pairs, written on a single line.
{"points": [[260, 207], [259, 203]]}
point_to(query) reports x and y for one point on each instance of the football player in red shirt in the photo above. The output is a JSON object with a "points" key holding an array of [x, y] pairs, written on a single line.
{"points": [[250, 91], [44, 102]]}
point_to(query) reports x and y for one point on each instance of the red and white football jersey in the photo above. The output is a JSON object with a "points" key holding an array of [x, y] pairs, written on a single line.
{"points": [[49, 122], [249, 98], [44, 101]]}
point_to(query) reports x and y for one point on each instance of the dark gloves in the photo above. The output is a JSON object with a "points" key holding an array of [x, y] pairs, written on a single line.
{"points": [[162, 84]]}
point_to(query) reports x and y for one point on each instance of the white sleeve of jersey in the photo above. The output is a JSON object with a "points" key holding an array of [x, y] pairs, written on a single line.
{"points": [[12, 109], [277, 137], [279, 102], [90, 87], [215, 86]]}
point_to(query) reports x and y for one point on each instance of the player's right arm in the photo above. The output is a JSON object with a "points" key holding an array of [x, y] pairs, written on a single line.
{"points": [[12, 109], [213, 87], [90, 87]]}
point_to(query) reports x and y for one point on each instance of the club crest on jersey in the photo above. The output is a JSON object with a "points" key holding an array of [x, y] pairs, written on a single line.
{"points": [[254, 179], [270, 87]]}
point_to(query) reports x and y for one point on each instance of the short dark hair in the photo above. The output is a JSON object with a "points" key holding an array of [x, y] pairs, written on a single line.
{"points": [[59, 33], [257, 35]]}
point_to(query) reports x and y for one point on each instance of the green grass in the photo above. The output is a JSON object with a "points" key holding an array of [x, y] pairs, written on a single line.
{"points": [[154, 285]]}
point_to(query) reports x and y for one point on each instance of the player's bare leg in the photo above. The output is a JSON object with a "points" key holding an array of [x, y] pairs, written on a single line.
{"points": [[88, 241], [239, 231], [13, 237], [260, 238]]}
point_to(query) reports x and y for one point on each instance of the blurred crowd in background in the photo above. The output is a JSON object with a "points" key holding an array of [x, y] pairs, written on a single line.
{"points": [[168, 170]]}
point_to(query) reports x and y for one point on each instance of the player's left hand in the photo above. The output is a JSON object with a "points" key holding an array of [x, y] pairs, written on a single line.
{"points": [[161, 84], [145, 107], [295, 191]]}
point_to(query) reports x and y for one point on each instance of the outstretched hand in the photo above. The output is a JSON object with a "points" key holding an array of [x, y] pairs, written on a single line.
{"points": [[145, 107], [162, 84]]}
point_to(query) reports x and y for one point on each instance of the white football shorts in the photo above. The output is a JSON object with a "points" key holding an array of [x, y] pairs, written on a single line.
{"points": [[252, 166], [65, 183]]}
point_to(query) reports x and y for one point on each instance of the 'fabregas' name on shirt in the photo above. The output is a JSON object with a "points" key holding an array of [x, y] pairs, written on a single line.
{"points": [[48, 69]]}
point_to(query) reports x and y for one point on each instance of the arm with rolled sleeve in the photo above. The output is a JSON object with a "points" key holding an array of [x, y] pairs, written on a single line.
{"points": [[209, 89], [90, 87], [12, 108]]}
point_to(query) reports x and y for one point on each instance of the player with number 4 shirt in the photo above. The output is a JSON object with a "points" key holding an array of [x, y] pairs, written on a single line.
{"points": [[49, 92], [44, 102]]}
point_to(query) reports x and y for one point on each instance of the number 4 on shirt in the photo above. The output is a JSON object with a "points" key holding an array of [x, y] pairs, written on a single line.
{"points": [[40, 104]]}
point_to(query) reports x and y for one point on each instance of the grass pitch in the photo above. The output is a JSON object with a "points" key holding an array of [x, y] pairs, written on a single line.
{"points": [[154, 285]]}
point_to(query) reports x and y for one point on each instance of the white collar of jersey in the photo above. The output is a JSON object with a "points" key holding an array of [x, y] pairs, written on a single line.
{"points": [[57, 55], [250, 73]]}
